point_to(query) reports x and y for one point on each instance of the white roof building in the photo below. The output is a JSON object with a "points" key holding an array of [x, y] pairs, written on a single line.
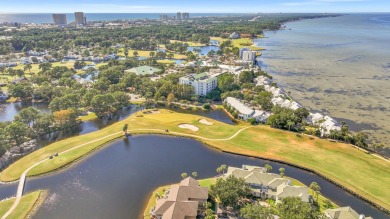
{"points": [[245, 112]]}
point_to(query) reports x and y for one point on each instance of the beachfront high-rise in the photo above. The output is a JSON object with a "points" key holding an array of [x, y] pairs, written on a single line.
{"points": [[178, 16], [79, 18], [60, 19]]}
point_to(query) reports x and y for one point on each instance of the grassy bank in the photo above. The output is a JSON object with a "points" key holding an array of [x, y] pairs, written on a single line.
{"points": [[321, 198], [161, 190], [239, 43], [354, 169], [27, 205]]}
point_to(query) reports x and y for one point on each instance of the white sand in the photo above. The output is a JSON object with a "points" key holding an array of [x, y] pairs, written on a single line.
{"points": [[188, 126], [204, 121]]}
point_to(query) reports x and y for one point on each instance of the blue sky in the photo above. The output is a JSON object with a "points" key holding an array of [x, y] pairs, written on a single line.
{"points": [[193, 6]]}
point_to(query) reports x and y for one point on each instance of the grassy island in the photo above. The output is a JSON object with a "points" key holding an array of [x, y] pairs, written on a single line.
{"points": [[352, 168], [27, 205]]}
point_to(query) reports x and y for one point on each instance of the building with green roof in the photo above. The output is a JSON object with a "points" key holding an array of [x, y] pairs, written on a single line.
{"points": [[143, 70]]}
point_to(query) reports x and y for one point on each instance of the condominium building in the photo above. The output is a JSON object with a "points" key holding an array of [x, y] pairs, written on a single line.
{"points": [[268, 185], [60, 19], [203, 83], [79, 18], [178, 16], [249, 56], [185, 15]]}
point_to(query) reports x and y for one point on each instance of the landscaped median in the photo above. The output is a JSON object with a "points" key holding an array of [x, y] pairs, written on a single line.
{"points": [[357, 171], [28, 204]]}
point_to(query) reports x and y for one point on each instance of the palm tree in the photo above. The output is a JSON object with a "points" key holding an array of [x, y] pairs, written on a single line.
{"points": [[268, 168], [125, 127], [316, 189], [290, 124], [184, 175], [194, 174], [282, 171]]}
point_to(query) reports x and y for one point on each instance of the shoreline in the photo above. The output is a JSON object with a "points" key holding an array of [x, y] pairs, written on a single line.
{"points": [[373, 204], [354, 123]]}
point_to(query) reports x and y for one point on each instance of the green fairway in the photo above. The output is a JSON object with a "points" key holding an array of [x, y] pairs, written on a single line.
{"points": [[354, 169], [25, 206]]}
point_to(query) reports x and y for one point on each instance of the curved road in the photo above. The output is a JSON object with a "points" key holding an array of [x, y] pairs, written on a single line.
{"points": [[22, 180]]}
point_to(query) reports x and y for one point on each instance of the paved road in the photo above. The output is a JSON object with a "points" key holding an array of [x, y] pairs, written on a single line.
{"points": [[22, 180]]}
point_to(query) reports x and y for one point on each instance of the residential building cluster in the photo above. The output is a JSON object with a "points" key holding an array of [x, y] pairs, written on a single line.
{"points": [[183, 201], [245, 112], [268, 185]]}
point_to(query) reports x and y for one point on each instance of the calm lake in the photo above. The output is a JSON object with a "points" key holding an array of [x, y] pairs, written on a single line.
{"points": [[116, 181]]}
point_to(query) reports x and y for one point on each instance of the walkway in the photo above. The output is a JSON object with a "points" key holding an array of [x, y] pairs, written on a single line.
{"points": [[22, 180]]}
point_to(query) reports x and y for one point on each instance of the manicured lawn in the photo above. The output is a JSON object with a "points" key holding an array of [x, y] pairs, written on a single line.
{"points": [[350, 167], [240, 43], [25, 205], [90, 116], [167, 62], [161, 190]]}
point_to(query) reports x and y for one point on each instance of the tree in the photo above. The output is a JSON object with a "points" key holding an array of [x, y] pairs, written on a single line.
{"points": [[230, 191], [122, 99], [221, 168], [361, 139], [295, 208], [27, 115], [194, 174], [43, 124], [246, 76], [209, 214], [268, 168], [316, 189], [17, 132], [126, 52], [28, 67], [282, 171], [206, 106], [184, 175], [135, 54], [66, 118], [124, 129], [170, 99], [226, 82], [152, 54], [255, 211], [23, 90], [102, 104]]}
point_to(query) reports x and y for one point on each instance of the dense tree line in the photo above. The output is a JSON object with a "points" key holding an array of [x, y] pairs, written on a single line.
{"points": [[142, 37]]}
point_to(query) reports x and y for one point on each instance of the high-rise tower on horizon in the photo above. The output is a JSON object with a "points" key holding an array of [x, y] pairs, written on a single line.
{"points": [[79, 18], [60, 19]]}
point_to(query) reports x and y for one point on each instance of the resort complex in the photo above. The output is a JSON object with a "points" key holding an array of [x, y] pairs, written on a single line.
{"points": [[149, 99]]}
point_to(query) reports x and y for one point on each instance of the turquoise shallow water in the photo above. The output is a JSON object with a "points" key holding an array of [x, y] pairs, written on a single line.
{"points": [[339, 66]]}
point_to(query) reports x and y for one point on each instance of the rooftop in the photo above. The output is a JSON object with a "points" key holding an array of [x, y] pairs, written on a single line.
{"points": [[143, 70]]}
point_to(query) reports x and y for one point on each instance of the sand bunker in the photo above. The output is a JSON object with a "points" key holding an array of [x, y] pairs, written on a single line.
{"points": [[188, 126], [204, 121]]}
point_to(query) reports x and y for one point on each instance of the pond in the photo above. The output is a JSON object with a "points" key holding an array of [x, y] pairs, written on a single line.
{"points": [[9, 110], [204, 49], [116, 181]]}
